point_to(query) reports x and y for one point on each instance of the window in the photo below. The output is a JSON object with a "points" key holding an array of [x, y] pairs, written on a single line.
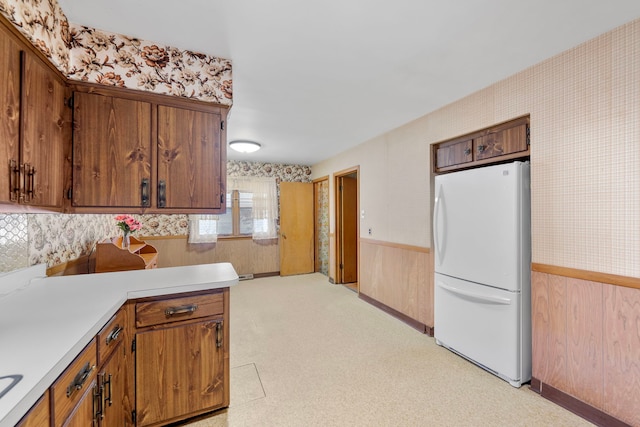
{"points": [[238, 221], [251, 211]]}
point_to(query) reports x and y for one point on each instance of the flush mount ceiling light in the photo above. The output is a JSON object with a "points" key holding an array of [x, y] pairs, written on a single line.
{"points": [[243, 146]]}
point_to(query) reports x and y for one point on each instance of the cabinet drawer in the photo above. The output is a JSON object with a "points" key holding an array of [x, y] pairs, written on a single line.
{"points": [[110, 336], [178, 309], [70, 386]]}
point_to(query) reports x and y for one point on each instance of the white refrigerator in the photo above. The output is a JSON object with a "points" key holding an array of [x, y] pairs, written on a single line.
{"points": [[482, 253]]}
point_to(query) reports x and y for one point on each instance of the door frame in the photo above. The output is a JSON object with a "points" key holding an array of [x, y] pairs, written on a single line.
{"points": [[339, 276]]}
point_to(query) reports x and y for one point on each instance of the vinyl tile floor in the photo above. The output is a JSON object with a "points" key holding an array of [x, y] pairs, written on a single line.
{"points": [[305, 352]]}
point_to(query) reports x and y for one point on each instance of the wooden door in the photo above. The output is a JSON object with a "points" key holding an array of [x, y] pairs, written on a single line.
{"points": [[179, 371], [111, 151], [10, 113], [349, 229], [45, 127], [189, 159], [113, 382], [296, 228], [83, 414]]}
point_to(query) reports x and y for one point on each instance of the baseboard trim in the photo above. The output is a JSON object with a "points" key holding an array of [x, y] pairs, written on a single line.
{"points": [[270, 274], [578, 407], [536, 385], [398, 315]]}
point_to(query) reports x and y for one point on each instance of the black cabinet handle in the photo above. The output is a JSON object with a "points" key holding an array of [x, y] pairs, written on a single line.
{"points": [[185, 309], [144, 187], [219, 334], [114, 334], [162, 194], [14, 178], [80, 379]]}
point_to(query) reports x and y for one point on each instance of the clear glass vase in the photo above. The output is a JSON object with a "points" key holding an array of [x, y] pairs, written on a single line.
{"points": [[126, 241]]}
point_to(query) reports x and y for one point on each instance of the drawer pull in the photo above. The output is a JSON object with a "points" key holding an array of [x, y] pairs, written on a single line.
{"points": [[114, 334], [185, 309], [80, 379]]}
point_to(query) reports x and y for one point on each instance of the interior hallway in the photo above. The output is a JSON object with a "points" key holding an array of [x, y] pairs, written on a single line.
{"points": [[305, 352]]}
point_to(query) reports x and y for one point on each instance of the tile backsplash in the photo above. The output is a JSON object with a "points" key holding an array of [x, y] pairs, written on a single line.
{"points": [[13, 242]]}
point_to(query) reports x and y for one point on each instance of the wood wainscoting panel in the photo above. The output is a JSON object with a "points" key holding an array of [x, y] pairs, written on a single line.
{"points": [[586, 352], [539, 326], [622, 353], [246, 255], [397, 275], [557, 363], [584, 341]]}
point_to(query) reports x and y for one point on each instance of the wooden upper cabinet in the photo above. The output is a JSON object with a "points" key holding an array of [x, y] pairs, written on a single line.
{"points": [[146, 153], [35, 127], [44, 133], [10, 67], [503, 142], [455, 153], [111, 151], [189, 159]]}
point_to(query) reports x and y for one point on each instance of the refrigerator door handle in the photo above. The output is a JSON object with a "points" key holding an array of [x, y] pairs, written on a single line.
{"points": [[436, 210], [475, 296]]}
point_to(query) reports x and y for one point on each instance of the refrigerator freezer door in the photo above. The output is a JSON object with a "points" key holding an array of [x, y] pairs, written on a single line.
{"points": [[482, 324], [478, 225]]}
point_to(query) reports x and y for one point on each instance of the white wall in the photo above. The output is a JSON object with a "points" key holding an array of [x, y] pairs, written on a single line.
{"points": [[585, 157]]}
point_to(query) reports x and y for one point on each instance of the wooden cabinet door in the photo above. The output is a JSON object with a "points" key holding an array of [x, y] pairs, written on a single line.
{"points": [[10, 113], [501, 142], [44, 134], [111, 151], [179, 372], [39, 415], [454, 153], [83, 414], [189, 159], [114, 398]]}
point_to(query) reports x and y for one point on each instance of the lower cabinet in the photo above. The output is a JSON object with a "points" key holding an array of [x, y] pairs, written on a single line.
{"points": [[174, 359], [39, 415], [182, 359], [114, 373], [84, 414], [74, 391], [112, 380]]}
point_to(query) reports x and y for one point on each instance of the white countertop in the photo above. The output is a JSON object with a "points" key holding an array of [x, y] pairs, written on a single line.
{"points": [[46, 322]]}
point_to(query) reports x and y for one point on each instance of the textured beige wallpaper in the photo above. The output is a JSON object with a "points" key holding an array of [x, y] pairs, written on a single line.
{"points": [[585, 156]]}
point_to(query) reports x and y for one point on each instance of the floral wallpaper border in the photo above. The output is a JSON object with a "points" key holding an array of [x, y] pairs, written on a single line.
{"points": [[87, 54], [116, 60], [44, 24]]}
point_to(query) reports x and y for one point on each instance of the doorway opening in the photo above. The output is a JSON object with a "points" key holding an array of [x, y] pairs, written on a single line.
{"points": [[347, 227], [321, 221]]}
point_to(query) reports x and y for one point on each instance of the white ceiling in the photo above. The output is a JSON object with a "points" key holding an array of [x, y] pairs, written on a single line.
{"points": [[314, 78]]}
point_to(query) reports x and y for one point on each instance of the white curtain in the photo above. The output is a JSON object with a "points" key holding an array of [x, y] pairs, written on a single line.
{"points": [[264, 203], [202, 228]]}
